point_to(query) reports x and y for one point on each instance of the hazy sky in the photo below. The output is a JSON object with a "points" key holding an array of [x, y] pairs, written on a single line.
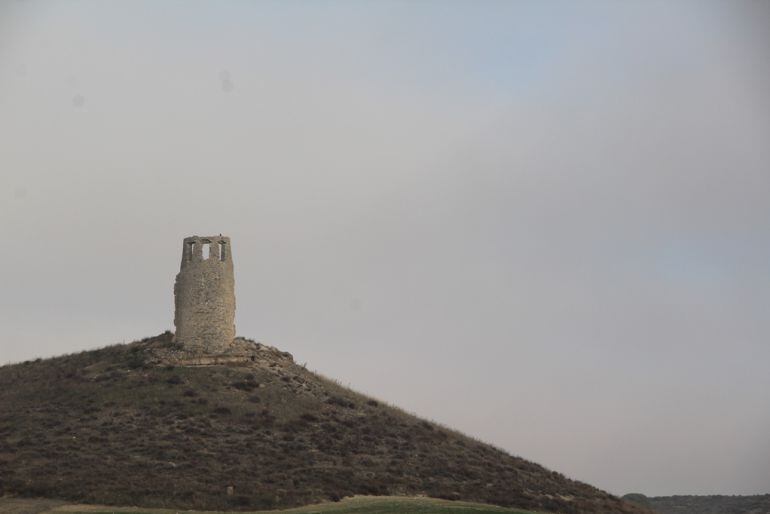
{"points": [[546, 224]]}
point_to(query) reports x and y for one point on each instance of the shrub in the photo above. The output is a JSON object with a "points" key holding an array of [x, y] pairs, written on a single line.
{"points": [[135, 361]]}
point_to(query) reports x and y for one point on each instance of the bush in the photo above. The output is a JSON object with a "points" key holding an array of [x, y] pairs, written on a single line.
{"points": [[135, 360]]}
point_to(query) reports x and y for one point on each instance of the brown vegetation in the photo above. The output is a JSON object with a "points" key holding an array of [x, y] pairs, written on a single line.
{"points": [[106, 426], [707, 504]]}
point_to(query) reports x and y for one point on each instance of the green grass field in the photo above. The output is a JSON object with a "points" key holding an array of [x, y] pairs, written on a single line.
{"points": [[355, 505]]}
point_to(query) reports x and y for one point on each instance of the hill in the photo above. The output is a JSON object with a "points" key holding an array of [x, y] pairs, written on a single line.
{"points": [[714, 504], [355, 505], [129, 425]]}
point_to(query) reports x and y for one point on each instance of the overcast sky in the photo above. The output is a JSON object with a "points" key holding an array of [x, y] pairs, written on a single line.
{"points": [[546, 224]]}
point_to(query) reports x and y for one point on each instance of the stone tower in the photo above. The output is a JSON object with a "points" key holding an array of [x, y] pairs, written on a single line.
{"points": [[204, 295]]}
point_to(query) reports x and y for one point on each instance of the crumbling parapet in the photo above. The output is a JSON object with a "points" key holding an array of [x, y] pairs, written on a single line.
{"points": [[204, 296]]}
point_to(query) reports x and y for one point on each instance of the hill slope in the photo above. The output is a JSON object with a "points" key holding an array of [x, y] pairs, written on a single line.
{"points": [[117, 426], [714, 504]]}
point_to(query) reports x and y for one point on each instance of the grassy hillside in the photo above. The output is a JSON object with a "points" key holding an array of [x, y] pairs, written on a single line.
{"points": [[715, 504], [356, 505], [113, 426]]}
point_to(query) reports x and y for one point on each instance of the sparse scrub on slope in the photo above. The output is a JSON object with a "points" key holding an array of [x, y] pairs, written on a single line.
{"points": [[112, 427]]}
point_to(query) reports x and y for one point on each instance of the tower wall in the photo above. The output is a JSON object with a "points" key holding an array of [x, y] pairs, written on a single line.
{"points": [[204, 296]]}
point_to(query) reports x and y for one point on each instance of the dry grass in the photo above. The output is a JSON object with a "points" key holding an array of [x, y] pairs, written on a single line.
{"points": [[354, 505]]}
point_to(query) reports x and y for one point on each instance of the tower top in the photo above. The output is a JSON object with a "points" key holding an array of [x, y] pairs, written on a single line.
{"points": [[203, 248]]}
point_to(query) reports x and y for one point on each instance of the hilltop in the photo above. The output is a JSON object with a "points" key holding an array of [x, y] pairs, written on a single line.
{"points": [[129, 425]]}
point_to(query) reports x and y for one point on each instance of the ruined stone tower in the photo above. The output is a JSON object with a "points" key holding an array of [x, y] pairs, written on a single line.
{"points": [[204, 295]]}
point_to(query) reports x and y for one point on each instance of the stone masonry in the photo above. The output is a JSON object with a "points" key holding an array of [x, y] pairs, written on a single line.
{"points": [[204, 296]]}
